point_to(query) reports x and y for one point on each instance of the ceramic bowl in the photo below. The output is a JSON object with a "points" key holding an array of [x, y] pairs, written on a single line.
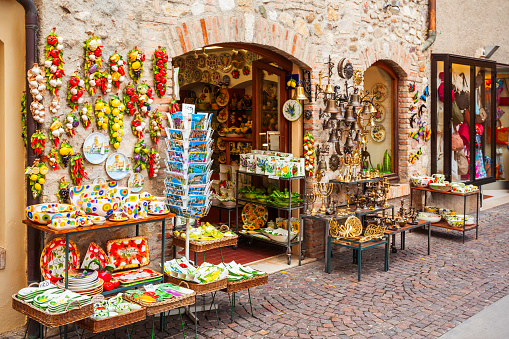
{"points": [[43, 213], [445, 187], [84, 221], [157, 206], [444, 212], [431, 209], [421, 181], [438, 178], [62, 223], [100, 207], [458, 219], [426, 216], [98, 220]]}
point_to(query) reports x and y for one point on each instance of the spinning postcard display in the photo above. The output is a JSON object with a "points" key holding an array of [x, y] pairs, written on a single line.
{"points": [[189, 151]]}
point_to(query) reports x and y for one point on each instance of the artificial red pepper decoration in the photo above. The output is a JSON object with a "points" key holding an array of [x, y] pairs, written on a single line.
{"points": [[78, 169]]}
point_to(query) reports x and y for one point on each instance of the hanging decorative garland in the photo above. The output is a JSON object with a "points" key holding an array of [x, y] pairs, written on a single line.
{"points": [[75, 91], [105, 82], [117, 69], [38, 141], [309, 153], [54, 106], [36, 173], [102, 112], [56, 131], [154, 163], [140, 156], [66, 152], [71, 122], [116, 120], [130, 98], [145, 99], [136, 59], [37, 88], [155, 125], [54, 63], [87, 115], [93, 63], [78, 169], [159, 66], [174, 107], [63, 191], [138, 126], [54, 158], [24, 118]]}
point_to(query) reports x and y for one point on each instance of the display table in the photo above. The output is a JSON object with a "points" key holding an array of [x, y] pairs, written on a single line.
{"points": [[403, 230]]}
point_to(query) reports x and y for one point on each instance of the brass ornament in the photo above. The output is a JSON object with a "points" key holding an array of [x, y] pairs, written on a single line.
{"points": [[351, 229], [358, 77], [373, 232]]}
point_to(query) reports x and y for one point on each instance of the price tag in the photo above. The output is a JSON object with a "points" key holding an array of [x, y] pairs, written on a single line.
{"points": [[150, 288], [273, 177], [187, 109], [97, 298], [44, 283]]}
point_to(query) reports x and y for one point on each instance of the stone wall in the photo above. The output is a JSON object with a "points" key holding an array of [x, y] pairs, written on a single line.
{"points": [[306, 32]]}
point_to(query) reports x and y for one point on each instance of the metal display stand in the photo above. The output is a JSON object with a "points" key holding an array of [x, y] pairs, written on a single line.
{"points": [[289, 210]]}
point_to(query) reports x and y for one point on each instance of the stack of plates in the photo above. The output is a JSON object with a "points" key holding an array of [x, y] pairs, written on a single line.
{"points": [[60, 303], [83, 282]]}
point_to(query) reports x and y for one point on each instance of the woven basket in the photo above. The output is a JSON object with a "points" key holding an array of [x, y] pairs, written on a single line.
{"points": [[101, 325], [199, 288], [202, 246], [52, 319], [170, 304], [235, 286]]}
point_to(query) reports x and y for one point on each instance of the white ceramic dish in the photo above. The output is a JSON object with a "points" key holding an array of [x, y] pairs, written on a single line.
{"points": [[431, 217]]}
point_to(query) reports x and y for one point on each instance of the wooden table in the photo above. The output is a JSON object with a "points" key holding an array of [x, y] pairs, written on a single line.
{"points": [[403, 229]]}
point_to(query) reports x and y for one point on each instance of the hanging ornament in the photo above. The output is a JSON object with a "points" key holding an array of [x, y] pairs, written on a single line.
{"points": [[117, 69], [75, 91], [71, 122], [102, 111], [38, 142], [155, 125], [54, 158], [66, 152], [145, 99], [24, 118], [413, 157], [159, 65], [37, 87], [54, 106], [154, 163], [309, 153], [140, 157], [174, 107], [93, 63], [78, 169], [36, 173], [130, 99], [116, 121], [54, 63], [63, 191], [86, 115], [56, 131], [136, 59], [138, 126], [105, 81]]}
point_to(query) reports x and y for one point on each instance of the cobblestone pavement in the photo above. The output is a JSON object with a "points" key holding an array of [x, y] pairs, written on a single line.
{"points": [[420, 296]]}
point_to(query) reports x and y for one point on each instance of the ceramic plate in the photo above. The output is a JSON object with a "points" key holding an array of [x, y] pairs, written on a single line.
{"points": [[222, 115], [136, 182], [99, 180], [380, 114], [159, 213], [222, 158], [253, 214], [216, 77], [137, 275], [226, 80], [238, 60], [202, 61], [96, 148], [190, 62], [221, 145], [128, 252], [212, 61], [250, 57], [220, 130], [225, 62], [197, 75], [117, 166], [188, 76], [292, 110], [379, 92], [205, 76], [94, 252], [118, 219], [52, 260], [223, 97], [378, 133]]}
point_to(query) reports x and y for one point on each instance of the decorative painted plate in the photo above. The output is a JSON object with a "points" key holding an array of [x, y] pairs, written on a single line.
{"points": [[117, 166], [188, 76], [221, 145], [136, 182], [222, 158], [255, 215], [197, 75], [95, 257], [220, 130], [378, 133], [212, 62], [250, 57], [99, 180], [216, 77], [379, 92], [137, 275], [128, 252], [238, 59], [191, 62], [161, 212], [226, 80], [182, 80], [225, 62], [52, 260], [202, 61], [380, 113], [223, 97], [292, 110], [96, 148], [222, 115], [205, 76]]}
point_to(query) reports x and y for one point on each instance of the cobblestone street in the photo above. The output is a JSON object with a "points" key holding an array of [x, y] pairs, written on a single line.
{"points": [[420, 296]]}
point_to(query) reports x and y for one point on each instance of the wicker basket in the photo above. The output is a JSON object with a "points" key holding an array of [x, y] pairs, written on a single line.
{"points": [[235, 286], [101, 325], [199, 288], [53, 319], [170, 304], [202, 246]]}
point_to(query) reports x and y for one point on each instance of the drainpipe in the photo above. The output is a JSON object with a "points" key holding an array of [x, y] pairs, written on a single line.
{"points": [[432, 31]]}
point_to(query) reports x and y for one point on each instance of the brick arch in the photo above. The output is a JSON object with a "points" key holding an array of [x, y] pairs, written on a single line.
{"points": [[390, 52], [247, 29]]}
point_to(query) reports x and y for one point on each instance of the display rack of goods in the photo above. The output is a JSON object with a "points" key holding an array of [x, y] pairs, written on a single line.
{"points": [[160, 65], [116, 121], [136, 59], [36, 175], [117, 69], [102, 112], [54, 63], [37, 88], [75, 91], [203, 279], [242, 277], [145, 99], [93, 64], [205, 237]]}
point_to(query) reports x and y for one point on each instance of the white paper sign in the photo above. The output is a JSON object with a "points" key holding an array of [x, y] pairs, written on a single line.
{"points": [[176, 85], [150, 288], [45, 283], [97, 298], [188, 109]]}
